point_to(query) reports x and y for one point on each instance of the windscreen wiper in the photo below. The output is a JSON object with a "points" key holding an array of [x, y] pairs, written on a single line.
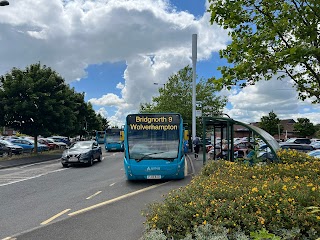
{"points": [[147, 155], [169, 159]]}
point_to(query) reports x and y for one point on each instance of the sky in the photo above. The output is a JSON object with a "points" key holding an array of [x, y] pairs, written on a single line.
{"points": [[115, 50]]}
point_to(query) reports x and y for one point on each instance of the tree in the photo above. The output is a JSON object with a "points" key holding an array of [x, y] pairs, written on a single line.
{"points": [[176, 96], [304, 127], [317, 130], [104, 123], [270, 37], [36, 101], [271, 124]]}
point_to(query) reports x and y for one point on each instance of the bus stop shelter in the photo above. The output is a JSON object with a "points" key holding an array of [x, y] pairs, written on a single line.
{"points": [[225, 126]]}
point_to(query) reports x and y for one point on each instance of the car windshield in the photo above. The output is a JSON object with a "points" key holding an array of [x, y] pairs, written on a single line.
{"points": [[82, 145]]}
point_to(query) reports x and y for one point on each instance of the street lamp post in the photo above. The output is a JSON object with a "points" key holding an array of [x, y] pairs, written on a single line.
{"points": [[279, 131], [164, 85], [4, 3]]}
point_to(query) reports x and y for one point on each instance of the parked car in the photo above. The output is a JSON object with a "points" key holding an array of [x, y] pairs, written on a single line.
{"points": [[62, 139], [315, 144], [25, 144], [15, 149], [83, 152], [59, 144], [314, 153], [51, 145], [299, 140], [28, 145], [296, 146], [4, 150]]}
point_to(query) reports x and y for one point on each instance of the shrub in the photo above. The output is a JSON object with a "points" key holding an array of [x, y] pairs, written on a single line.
{"points": [[238, 197]]}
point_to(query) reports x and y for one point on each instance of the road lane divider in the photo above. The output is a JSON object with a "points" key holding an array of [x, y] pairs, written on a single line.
{"points": [[54, 217], [93, 195], [116, 199]]}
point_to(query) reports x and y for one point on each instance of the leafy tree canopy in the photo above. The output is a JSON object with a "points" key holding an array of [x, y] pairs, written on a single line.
{"points": [[304, 127], [271, 37], [270, 124], [36, 101], [176, 96], [33, 100]]}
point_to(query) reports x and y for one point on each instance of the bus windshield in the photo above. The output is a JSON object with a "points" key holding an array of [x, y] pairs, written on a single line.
{"points": [[113, 138], [100, 136], [152, 144]]}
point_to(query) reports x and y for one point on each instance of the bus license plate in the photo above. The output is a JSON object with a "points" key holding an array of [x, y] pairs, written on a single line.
{"points": [[153, 176]]}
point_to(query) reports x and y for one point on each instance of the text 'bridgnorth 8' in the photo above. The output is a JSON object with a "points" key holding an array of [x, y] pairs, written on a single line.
{"points": [[153, 119]]}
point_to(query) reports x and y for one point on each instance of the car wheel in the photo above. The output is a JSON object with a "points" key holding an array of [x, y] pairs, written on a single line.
{"points": [[5, 154], [65, 165], [90, 163], [100, 158]]}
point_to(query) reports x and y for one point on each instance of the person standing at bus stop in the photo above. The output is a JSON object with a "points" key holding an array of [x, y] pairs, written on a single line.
{"points": [[196, 147]]}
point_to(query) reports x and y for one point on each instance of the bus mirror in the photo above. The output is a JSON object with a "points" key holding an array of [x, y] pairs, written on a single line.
{"points": [[121, 135], [186, 135]]}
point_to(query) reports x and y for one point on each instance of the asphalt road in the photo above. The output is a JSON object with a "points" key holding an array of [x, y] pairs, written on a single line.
{"points": [[46, 201]]}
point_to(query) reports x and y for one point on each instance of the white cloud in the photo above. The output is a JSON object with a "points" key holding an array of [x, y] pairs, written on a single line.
{"points": [[103, 112], [120, 86], [253, 102], [107, 100], [151, 36]]}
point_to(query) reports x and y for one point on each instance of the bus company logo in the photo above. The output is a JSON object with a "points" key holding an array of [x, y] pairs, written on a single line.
{"points": [[153, 169]]}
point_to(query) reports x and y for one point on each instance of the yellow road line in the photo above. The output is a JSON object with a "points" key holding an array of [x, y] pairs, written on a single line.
{"points": [[55, 216], [115, 199], [8, 238], [94, 195]]}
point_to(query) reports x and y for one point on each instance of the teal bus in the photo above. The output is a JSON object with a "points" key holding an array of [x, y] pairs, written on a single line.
{"points": [[100, 136], [153, 146], [114, 140]]}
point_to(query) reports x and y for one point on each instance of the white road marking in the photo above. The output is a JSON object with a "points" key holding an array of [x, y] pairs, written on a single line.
{"points": [[34, 164], [115, 199], [93, 195], [112, 184], [23, 174]]}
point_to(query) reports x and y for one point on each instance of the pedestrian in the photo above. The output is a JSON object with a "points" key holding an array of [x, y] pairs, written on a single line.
{"points": [[250, 154], [224, 150], [196, 147], [185, 146]]}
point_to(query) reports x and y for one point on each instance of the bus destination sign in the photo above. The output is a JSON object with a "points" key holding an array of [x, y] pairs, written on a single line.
{"points": [[164, 122]]}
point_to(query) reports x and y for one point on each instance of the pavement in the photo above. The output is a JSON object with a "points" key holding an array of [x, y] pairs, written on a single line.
{"points": [[26, 159]]}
